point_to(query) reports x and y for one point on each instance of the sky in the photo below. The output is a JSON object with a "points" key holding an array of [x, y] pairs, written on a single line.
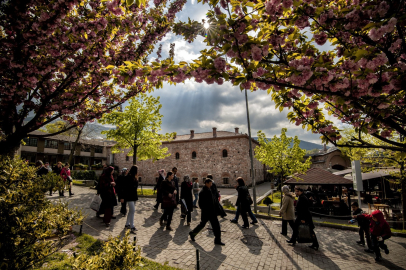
{"points": [[199, 106]]}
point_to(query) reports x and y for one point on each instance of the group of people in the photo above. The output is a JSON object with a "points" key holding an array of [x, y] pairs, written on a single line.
{"points": [[62, 171], [126, 190], [373, 228]]}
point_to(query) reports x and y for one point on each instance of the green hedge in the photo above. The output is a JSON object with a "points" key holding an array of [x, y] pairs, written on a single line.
{"points": [[84, 175]]}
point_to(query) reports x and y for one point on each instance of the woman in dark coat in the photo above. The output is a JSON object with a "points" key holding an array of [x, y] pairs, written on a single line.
{"points": [[168, 201], [186, 194], [158, 188], [107, 194], [130, 196], [243, 201], [303, 217]]}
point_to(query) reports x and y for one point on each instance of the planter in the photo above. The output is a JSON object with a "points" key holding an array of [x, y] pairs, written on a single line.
{"points": [[97, 169]]}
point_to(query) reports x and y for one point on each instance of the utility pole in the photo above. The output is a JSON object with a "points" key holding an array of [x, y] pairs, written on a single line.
{"points": [[251, 155]]}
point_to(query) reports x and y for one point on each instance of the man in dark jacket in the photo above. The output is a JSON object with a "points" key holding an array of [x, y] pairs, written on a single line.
{"points": [[41, 170], [303, 217], [208, 203], [363, 225], [176, 182], [216, 193]]}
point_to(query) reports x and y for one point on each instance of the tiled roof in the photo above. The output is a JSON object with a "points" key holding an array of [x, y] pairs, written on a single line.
{"points": [[317, 176], [69, 139], [206, 135]]}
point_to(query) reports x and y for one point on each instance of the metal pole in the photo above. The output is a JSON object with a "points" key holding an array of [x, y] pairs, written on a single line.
{"points": [[80, 232], [197, 260], [254, 191], [135, 240]]}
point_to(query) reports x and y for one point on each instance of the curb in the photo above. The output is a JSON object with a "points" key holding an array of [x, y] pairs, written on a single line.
{"points": [[333, 226]]}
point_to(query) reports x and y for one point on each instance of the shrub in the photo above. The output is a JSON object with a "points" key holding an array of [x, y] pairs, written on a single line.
{"points": [[27, 218], [267, 201], [84, 175], [81, 166], [98, 165], [117, 253]]}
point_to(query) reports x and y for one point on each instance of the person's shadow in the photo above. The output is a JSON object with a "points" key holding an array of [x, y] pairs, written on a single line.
{"points": [[252, 240], [158, 242], [181, 232], [152, 219], [210, 259]]}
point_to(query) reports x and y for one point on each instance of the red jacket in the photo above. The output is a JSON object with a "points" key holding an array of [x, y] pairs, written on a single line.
{"points": [[379, 227]]}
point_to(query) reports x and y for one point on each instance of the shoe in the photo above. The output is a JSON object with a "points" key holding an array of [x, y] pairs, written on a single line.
{"points": [[113, 217], [168, 228], [127, 227], [368, 250], [107, 224], [50, 194], [234, 221], [161, 222], [361, 243], [254, 222], [182, 217], [219, 243], [291, 242], [98, 216], [386, 251], [284, 234], [223, 216], [192, 237], [195, 206], [123, 215], [133, 230], [245, 227], [314, 247], [156, 207], [188, 224], [378, 259]]}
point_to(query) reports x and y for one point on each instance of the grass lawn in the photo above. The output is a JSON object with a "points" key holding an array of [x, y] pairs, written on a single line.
{"points": [[146, 191], [86, 244]]}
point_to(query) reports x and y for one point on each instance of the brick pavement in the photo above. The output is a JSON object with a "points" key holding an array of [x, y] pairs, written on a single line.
{"points": [[260, 247]]}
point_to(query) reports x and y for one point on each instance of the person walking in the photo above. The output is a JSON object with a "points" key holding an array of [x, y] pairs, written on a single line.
{"points": [[380, 231], [196, 190], [303, 217], [363, 225], [41, 170], [158, 188], [107, 194], [208, 203], [244, 201], [186, 194], [131, 196], [46, 166], [168, 201], [214, 189], [175, 180], [120, 189], [287, 211], [65, 174], [57, 170]]}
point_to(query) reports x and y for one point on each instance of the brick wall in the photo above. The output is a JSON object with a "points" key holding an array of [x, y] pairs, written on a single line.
{"points": [[209, 160]]}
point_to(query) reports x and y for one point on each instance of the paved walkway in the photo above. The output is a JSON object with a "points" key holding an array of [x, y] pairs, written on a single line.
{"points": [[260, 247]]}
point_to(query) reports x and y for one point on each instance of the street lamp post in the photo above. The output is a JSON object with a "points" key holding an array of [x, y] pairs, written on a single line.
{"points": [[251, 155]]}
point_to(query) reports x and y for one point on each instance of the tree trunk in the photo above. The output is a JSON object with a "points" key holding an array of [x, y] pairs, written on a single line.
{"points": [[135, 154], [9, 146], [72, 151], [403, 187]]}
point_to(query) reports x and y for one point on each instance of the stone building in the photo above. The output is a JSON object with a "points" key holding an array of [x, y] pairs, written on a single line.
{"points": [[223, 154], [329, 159]]}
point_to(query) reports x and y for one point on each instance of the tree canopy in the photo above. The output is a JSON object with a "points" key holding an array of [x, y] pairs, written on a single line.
{"points": [[282, 158], [137, 128], [275, 46], [62, 59]]}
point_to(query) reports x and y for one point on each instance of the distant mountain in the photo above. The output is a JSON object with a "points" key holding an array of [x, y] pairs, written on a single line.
{"points": [[304, 145]]}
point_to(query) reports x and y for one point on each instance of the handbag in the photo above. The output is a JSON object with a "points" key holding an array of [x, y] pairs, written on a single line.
{"points": [[96, 202], [168, 202], [304, 234], [69, 179], [249, 199]]}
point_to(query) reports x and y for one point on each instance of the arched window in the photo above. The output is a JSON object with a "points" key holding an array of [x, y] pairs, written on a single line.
{"points": [[193, 155], [177, 155], [224, 153]]}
